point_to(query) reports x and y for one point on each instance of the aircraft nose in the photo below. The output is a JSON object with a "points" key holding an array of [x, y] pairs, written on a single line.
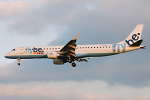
{"points": [[7, 55]]}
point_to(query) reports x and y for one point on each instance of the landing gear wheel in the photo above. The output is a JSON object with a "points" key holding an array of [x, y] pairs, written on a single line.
{"points": [[18, 63], [73, 65]]}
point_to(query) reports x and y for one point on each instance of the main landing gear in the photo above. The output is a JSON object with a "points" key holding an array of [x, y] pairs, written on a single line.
{"points": [[18, 61], [79, 60], [73, 64], [72, 61]]}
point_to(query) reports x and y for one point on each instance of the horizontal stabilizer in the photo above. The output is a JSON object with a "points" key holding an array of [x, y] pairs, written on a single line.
{"points": [[142, 46], [138, 43]]}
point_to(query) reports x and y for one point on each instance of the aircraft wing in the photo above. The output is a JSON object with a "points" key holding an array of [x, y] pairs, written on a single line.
{"points": [[70, 47]]}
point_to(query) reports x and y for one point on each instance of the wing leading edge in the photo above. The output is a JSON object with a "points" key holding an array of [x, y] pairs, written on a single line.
{"points": [[69, 49]]}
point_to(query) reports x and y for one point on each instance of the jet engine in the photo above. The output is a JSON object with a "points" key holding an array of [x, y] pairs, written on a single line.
{"points": [[53, 55], [58, 61]]}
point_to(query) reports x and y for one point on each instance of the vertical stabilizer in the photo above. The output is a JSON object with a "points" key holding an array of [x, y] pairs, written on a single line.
{"points": [[134, 36]]}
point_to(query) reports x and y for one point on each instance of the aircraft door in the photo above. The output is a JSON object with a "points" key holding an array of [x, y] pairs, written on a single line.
{"points": [[22, 51]]}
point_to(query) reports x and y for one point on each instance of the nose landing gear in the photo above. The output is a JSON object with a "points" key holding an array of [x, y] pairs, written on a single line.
{"points": [[18, 61]]}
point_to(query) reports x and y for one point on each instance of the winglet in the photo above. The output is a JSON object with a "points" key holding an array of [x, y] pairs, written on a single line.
{"points": [[76, 36]]}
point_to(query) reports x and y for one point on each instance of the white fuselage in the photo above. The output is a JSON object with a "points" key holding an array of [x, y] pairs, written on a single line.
{"points": [[81, 51]]}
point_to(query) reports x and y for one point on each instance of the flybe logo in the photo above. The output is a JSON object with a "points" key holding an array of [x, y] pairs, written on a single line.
{"points": [[135, 37], [119, 47], [34, 50]]}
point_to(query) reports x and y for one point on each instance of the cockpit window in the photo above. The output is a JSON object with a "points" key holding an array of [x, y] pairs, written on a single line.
{"points": [[13, 50]]}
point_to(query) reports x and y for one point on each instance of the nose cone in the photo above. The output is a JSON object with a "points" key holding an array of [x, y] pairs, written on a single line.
{"points": [[7, 55]]}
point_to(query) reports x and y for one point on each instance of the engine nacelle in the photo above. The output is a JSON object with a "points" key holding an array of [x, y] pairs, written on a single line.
{"points": [[58, 61], [53, 55]]}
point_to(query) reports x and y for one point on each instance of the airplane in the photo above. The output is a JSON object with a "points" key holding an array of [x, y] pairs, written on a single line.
{"points": [[72, 52]]}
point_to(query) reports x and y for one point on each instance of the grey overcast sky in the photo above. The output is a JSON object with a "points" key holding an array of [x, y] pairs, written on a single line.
{"points": [[55, 22]]}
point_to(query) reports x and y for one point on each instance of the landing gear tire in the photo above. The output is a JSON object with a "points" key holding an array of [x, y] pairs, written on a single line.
{"points": [[73, 65], [18, 63]]}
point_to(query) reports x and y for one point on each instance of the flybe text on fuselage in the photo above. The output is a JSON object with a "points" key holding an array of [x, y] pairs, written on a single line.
{"points": [[34, 50], [119, 47]]}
